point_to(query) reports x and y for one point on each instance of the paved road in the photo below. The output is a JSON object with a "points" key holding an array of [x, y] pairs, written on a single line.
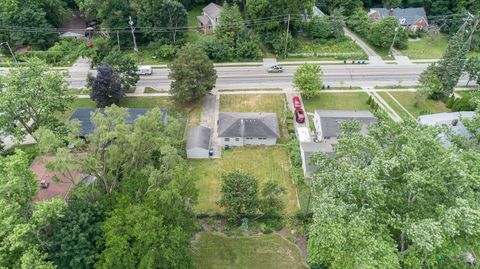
{"points": [[257, 77]]}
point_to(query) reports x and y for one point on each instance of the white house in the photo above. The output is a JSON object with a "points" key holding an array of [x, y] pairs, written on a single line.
{"points": [[240, 129], [209, 18], [198, 143]]}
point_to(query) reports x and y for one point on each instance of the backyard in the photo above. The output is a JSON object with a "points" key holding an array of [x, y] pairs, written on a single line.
{"points": [[262, 162], [337, 101], [257, 103], [418, 104], [426, 48], [212, 251]]}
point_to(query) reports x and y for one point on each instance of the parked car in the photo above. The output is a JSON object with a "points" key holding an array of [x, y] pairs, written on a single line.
{"points": [[275, 69], [299, 115], [296, 102], [144, 70]]}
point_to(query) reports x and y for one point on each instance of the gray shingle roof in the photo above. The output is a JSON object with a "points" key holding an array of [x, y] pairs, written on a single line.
{"points": [[446, 119], [87, 127], [199, 137], [411, 15], [248, 125], [310, 148], [213, 10], [204, 20], [330, 120]]}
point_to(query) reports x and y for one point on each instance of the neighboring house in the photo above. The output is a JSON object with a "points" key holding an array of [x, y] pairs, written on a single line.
{"points": [[327, 125], [453, 120], [412, 19], [240, 129], [198, 143], [315, 12], [87, 126], [209, 18]]}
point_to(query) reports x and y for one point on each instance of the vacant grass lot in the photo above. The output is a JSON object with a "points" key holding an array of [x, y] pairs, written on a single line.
{"points": [[426, 48], [262, 162], [418, 104], [395, 106], [329, 47], [214, 251], [257, 103], [337, 101]]}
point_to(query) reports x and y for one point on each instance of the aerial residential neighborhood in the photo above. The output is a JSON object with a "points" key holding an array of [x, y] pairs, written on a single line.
{"points": [[240, 134]]}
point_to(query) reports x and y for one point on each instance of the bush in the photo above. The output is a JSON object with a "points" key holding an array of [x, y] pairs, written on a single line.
{"points": [[462, 104], [449, 102], [166, 52]]}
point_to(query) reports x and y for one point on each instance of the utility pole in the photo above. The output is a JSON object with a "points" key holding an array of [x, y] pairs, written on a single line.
{"points": [[393, 42], [10, 49], [135, 48], [286, 36], [118, 41]]}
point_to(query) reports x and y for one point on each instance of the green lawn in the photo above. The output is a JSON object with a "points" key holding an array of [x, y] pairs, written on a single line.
{"points": [[192, 15], [145, 56], [257, 103], [337, 101], [418, 104], [426, 48], [467, 93], [395, 106], [329, 47], [214, 251], [262, 162]]}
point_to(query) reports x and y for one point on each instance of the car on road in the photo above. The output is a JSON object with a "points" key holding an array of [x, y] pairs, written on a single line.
{"points": [[296, 102], [144, 70], [275, 69], [299, 115]]}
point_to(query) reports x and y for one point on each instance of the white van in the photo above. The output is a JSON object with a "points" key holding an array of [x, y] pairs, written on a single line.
{"points": [[144, 70]]}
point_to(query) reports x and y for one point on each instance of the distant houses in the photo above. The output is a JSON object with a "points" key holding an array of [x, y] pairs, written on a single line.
{"points": [[412, 19], [327, 129], [241, 129], [209, 18]]}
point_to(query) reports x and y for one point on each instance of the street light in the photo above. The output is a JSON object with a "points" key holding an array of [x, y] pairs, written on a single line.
{"points": [[10, 49]]}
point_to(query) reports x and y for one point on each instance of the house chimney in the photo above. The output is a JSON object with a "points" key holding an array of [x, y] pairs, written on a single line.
{"points": [[390, 12], [454, 122]]}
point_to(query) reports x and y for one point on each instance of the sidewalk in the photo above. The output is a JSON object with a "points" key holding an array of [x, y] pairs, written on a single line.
{"points": [[373, 57]]}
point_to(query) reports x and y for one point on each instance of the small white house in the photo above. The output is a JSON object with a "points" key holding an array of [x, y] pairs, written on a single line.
{"points": [[240, 129], [327, 122], [198, 143]]}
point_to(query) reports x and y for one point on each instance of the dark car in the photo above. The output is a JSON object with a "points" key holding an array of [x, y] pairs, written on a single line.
{"points": [[275, 69], [296, 102], [299, 115]]}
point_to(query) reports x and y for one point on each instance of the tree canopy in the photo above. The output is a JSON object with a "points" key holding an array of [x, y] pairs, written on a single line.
{"points": [[397, 198], [308, 80], [106, 87]]}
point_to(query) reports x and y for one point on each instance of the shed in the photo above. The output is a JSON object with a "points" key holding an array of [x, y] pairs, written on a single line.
{"points": [[198, 143]]}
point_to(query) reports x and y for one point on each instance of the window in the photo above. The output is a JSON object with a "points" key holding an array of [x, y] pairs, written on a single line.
{"points": [[248, 138], [262, 138], [237, 139], [227, 139], [402, 21]]}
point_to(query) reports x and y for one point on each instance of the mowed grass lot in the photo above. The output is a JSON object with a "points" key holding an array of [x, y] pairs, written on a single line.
{"points": [[426, 47], [337, 101], [395, 106], [418, 104], [330, 48], [264, 163], [214, 251], [257, 103]]}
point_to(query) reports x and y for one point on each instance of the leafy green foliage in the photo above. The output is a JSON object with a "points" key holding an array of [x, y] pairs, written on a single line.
{"points": [[472, 67], [192, 73], [359, 22], [230, 24], [308, 80], [382, 33], [239, 195], [271, 203], [76, 239], [30, 96], [397, 198], [431, 82], [106, 87], [124, 66]]}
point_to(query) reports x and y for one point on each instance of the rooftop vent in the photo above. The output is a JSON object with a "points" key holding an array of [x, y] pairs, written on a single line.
{"points": [[454, 122]]}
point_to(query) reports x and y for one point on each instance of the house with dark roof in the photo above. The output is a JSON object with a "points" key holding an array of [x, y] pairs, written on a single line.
{"points": [[198, 143], [412, 19], [452, 120], [83, 115], [209, 18], [327, 125], [240, 129]]}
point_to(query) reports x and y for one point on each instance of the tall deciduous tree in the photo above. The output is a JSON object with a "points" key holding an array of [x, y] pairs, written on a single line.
{"points": [[230, 24], [308, 80], [271, 203], [106, 87], [472, 67], [23, 222], [382, 33], [125, 66], [29, 98], [396, 198], [239, 195], [192, 73], [431, 82], [359, 22]]}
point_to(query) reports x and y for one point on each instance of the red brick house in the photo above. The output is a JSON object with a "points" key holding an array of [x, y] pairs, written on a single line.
{"points": [[412, 19]]}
